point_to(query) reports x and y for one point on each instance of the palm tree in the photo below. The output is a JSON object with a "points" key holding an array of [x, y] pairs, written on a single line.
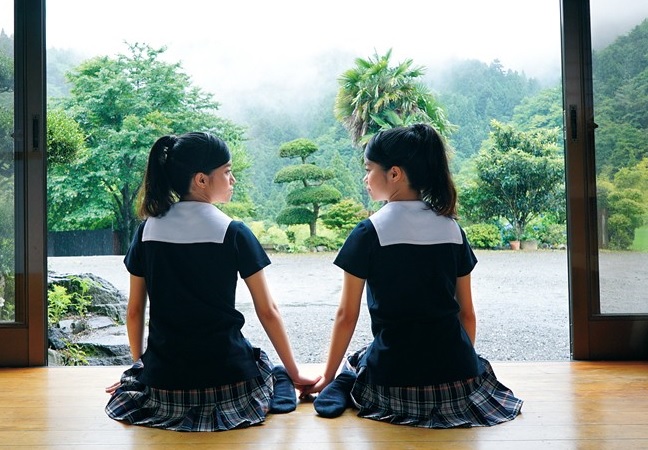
{"points": [[374, 96]]}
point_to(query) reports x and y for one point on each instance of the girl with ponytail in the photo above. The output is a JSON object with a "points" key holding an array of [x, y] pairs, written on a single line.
{"points": [[197, 372], [421, 368]]}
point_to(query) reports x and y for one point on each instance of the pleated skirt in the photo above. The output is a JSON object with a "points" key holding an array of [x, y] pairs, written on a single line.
{"points": [[226, 407], [476, 402]]}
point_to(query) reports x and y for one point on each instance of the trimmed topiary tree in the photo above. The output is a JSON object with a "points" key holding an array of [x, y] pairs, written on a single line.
{"points": [[306, 200]]}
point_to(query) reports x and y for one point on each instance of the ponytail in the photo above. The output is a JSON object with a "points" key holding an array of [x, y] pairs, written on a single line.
{"points": [[437, 188], [420, 151], [156, 194]]}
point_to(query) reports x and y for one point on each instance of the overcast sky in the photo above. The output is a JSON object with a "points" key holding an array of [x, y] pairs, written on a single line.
{"points": [[239, 45], [250, 40]]}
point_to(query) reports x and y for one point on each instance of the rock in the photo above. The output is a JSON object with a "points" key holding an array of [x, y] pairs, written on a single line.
{"points": [[54, 358], [101, 334], [106, 346], [99, 322], [57, 338]]}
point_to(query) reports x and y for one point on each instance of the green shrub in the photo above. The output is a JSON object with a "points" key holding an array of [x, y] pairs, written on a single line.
{"points": [[483, 235], [301, 233], [274, 235], [532, 232], [257, 228], [73, 355], [58, 302], [79, 288], [320, 241], [344, 216], [621, 229], [508, 234], [61, 302], [640, 243], [553, 235]]}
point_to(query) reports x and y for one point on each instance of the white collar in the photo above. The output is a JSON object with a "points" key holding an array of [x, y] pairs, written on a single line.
{"points": [[188, 222], [412, 222]]}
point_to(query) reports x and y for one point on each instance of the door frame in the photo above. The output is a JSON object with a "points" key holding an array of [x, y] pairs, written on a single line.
{"points": [[24, 342], [594, 336]]}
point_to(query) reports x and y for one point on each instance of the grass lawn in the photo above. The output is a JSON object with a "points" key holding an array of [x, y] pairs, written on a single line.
{"points": [[641, 239]]}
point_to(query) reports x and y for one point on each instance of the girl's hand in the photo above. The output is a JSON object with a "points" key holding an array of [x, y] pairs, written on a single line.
{"points": [[316, 387], [113, 387], [304, 382]]}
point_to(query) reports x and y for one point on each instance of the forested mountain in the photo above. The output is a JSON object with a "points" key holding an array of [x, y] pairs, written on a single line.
{"points": [[621, 101], [474, 93]]}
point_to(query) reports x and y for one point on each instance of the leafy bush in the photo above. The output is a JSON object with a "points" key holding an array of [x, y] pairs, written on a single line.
{"points": [[320, 241], [238, 210], [532, 232], [73, 355], [58, 302], [483, 235], [294, 238], [61, 302], [621, 230], [549, 230], [344, 216], [554, 235], [257, 227], [274, 235], [508, 233]]}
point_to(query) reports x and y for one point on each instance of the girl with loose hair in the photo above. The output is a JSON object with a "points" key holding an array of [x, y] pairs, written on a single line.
{"points": [[197, 371], [421, 368]]}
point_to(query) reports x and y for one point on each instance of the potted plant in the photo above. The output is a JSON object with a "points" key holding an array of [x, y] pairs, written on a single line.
{"points": [[510, 236], [530, 237]]}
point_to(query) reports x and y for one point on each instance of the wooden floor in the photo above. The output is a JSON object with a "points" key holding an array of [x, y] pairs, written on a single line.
{"points": [[568, 405]]}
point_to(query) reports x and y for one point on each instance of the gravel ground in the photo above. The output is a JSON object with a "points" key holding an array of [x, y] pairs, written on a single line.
{"points": [[521, 299]]}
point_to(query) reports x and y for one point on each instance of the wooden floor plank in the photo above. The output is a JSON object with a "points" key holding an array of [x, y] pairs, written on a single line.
{"points": [[571, 405]]}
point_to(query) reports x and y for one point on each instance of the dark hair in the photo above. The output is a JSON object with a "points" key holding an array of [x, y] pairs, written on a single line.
{"points": [[172, 162], [420, 151]]}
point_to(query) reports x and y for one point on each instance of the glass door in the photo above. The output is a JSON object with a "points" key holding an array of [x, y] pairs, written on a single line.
{"points": [[620, 87], [605, 95], [7, 170], [22, 181]]}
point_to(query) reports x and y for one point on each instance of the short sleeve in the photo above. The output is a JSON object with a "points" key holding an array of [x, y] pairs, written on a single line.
{"points": [[251, 256], [134, 259], [467, 259], [355, 255]]}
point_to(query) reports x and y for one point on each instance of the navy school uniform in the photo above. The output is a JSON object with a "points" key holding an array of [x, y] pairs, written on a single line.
{"points": [[421, 368], [198, 372]]}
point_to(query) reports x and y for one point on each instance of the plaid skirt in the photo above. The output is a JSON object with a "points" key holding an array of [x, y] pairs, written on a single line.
{"points": [[476, 402], [236, 405]]}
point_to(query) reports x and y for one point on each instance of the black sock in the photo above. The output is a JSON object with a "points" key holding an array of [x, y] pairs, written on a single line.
{"points": [[336, 397], [284, 399]]}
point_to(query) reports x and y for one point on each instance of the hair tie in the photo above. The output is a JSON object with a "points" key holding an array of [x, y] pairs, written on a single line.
{"points": [[171, 142]]}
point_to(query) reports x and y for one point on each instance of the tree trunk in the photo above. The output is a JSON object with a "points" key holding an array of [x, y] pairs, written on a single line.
{"points": [[313, 224], [603, 235]]}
